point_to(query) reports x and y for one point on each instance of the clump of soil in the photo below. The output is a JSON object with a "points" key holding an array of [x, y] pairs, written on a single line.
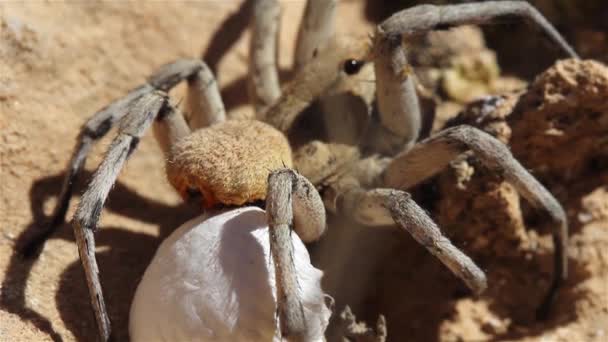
{"points": [[457, 65], [557, 128], [560, 125]]}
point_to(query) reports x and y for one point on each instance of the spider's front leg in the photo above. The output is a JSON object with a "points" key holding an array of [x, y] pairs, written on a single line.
{"points": [[397, 100], [292, 204]]}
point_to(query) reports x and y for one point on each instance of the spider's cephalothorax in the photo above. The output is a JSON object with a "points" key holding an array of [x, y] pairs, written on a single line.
{"points": [[232, 163]]}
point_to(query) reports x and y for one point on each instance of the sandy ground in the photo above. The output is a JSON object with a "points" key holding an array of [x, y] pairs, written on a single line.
{"points": [[61, 62]]}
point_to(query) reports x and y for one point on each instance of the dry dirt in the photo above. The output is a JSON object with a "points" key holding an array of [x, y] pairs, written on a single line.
{"points": [[61, 62]]}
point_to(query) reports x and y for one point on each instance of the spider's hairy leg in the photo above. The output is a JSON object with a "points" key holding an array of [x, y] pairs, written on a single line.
{"points": [[422, 18], [204, 99], [169, 126], [398, 104], [397, 99], [379, 207], [140, 116], [320, 64], [96, 128], [316, 29], [315, 32], [263, 84], [433, 154], [93, 130], [292, 203], [169, 75]]}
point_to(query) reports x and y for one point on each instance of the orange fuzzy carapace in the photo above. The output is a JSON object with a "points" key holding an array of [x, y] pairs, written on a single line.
{"points": [[229, 162]]}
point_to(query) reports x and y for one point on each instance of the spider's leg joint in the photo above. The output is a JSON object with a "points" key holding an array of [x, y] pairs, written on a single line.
{"points": [[172, 73]]}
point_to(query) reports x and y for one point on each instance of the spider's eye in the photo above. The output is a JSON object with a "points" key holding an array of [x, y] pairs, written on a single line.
{"points": [[352, 66]]}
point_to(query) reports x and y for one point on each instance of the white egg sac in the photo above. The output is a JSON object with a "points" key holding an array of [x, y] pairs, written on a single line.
{"points": [[213, 280]]}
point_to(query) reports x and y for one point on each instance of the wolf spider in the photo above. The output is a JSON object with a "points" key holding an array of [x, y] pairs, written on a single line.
{"points": [[368, 189]]}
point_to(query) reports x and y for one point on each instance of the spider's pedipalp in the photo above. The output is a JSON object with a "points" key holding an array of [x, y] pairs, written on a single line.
{"points": [[228, 162], [292, 203], [433, 154], [140, 115], [316, 31], [308, 210], [280, 222]]}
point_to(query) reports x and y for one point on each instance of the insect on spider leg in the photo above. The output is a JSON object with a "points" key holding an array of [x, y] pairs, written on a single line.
{"points": [[293, 203]]}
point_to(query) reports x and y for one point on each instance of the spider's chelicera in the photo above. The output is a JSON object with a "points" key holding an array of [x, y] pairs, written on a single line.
{"points": [[224, 162]]}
